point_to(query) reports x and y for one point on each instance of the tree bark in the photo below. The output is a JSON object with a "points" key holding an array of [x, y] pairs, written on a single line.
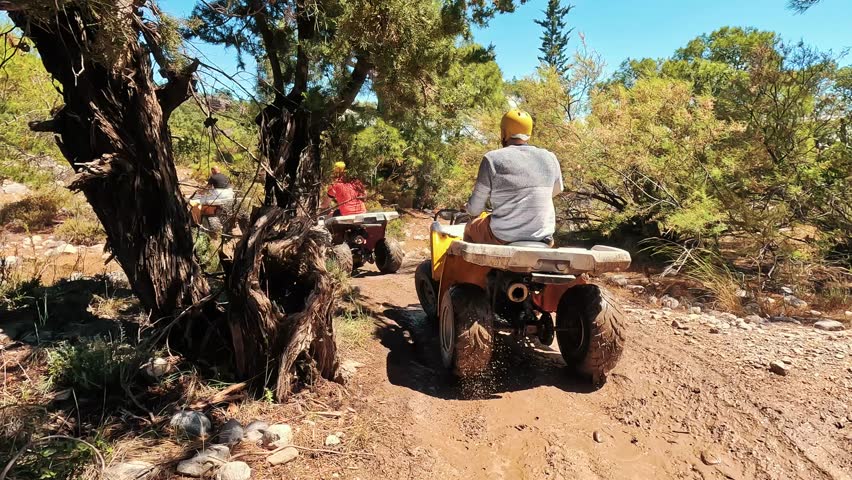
{"points": [[113, 131]]}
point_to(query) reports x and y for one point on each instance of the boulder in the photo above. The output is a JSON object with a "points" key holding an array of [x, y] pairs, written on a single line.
{"points": [[234, 471], [277, 436], [190, 424], [231, 433], [132, 470], [204, 461], [254, 431], [284, 456], [829, 325]]}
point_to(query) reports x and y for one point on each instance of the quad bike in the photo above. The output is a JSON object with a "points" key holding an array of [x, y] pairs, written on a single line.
{"points": [[360, 238], [222, 216], [475, 290]]}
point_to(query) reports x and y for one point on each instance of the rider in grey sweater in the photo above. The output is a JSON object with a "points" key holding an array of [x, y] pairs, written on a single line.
{"points": [[520, 181]]}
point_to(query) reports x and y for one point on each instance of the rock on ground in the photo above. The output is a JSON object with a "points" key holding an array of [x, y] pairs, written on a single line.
{"points": [[332, 440], [234, 471], [829, 325], [190, 424], [670, 302], [284, 456], [779, 368], [231, 433], [132, 470], [277, 436], [254, 431], [204, 461]]}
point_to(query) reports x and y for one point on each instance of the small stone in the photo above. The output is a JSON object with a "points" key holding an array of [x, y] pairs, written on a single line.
{"points": [[277, 436], [786, 290], [753, 319], [710, 458], [348, 368], [669, 302], [815, 313], [190, 424], [76, 276], [332, 440], [231, 433], [653, 300], [157, 367], [67, 248], [795, 302], [284, 456], [619, 281], [714, 330], [829, 325], [848, 313], [132, 470], [234, 471], [779, 368], [598, 436], [695, 310], [254, 431], [204, 461], [15, 188], [676, 324]]}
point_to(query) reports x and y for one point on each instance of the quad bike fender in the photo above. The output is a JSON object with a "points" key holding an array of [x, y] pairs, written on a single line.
{"points": [[456, 271], [441, 236], [548, 299]]}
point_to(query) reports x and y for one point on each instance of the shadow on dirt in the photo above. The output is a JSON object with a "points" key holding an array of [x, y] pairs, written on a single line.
{"points": [[414, 362]]}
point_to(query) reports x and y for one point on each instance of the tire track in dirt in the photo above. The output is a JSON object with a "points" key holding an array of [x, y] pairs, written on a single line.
{"points": [[670, 400]]}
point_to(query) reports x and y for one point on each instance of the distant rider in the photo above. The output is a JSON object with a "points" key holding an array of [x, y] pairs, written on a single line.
{"points": [[520, 181], [218, 191], [346, 192]]}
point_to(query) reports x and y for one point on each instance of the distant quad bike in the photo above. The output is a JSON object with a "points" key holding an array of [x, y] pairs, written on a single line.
{"points": [[360, 238], [475, 291], [222, 216]]}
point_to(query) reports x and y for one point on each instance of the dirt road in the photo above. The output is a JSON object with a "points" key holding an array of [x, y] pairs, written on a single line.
{"points": [[683, 402]]}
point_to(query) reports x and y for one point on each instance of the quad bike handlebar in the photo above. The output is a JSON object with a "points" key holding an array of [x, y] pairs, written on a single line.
{"points": [[453, 215]]}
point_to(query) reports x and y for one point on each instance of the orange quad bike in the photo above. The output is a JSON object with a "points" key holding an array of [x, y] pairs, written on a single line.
{"points": [[359, 239], [474, 291]]}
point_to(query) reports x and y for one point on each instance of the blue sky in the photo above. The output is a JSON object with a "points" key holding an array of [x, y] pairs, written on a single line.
{"points": [[616, 29], [621, 29]]}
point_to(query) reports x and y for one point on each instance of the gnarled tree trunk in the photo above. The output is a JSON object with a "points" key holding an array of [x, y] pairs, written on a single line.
{"points": [[113, 130]]}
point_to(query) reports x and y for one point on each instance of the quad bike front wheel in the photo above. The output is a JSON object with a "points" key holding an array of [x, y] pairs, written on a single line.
{"points": [[590, 331], [466, 330], [343, 256], [427, 289], [389, 255]]}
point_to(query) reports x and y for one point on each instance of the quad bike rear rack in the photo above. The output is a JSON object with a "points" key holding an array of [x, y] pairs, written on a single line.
{"points": [[542, 260]]}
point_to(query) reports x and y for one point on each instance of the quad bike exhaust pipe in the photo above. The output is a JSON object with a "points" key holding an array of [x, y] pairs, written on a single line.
{"points": [[517, 292]]}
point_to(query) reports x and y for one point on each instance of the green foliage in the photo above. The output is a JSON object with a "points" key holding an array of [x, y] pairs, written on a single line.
{"points": [[554, 40], [34, 212], [395, 229], [94, 365], [59, 459], [206, 251], [82, 226]]}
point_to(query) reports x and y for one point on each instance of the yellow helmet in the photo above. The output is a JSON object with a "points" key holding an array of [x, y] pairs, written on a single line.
{"points": [[339, 167], [516, 124]]}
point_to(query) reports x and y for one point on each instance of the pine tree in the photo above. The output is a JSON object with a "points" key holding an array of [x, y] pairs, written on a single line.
{"points": [[554, 40]]}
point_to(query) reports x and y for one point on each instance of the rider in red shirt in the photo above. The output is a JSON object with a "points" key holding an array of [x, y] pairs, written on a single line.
{"points": [[346, 192]]}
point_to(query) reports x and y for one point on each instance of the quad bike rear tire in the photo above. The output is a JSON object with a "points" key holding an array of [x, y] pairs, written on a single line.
{"points": [[590, 331], [213, 224], [466, 331], [427, 290], [343, 256], [389, 255]]}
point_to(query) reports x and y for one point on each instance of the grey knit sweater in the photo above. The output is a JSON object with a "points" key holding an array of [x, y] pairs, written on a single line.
{"points": [[520, 181]]}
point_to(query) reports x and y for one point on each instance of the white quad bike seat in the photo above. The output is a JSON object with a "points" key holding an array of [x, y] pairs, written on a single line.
{"points": [[529, 257], [362, 218]]}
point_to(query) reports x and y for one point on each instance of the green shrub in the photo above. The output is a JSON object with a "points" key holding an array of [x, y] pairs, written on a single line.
{"points": [[395, 229], [206, 251], [81, 230], [34, 212], [94, 365]]}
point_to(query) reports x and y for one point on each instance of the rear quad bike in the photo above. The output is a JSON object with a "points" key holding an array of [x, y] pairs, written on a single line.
{"points": [[475, 290], [360, 238], [222, 216]]}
